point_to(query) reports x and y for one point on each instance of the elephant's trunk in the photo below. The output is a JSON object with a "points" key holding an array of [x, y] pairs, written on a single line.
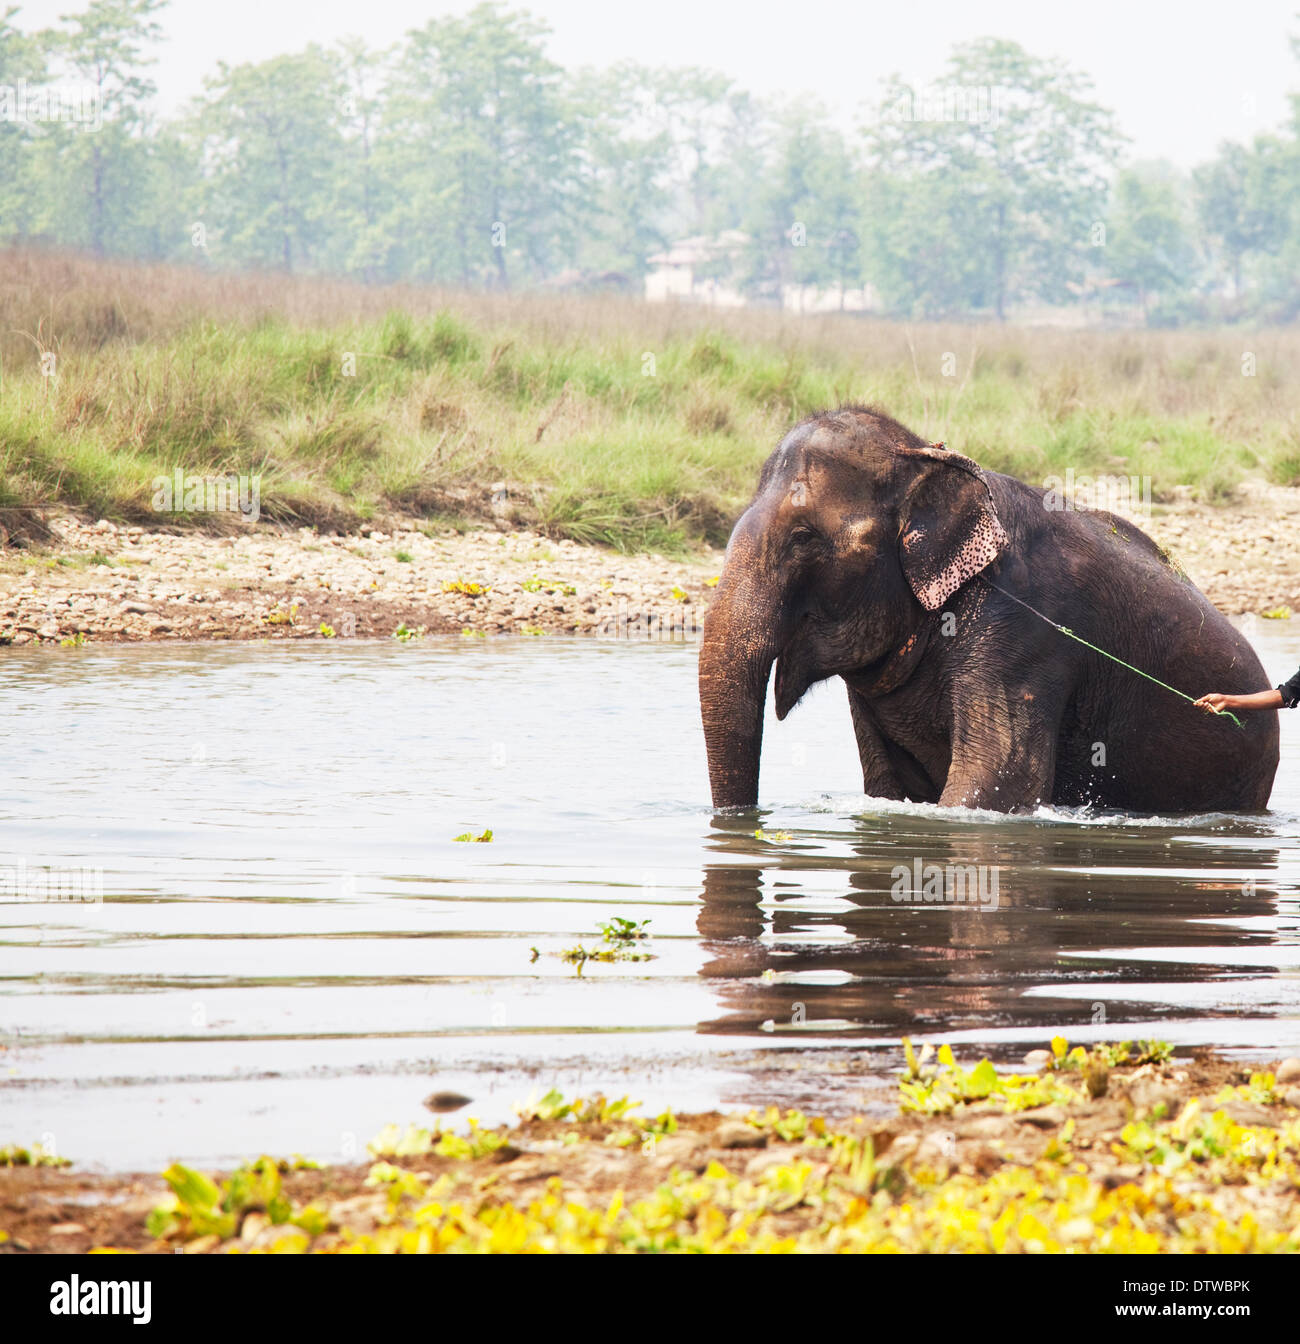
{"points": [[738, 647]]}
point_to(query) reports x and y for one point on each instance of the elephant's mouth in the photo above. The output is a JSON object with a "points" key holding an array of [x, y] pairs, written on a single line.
{"points": [[877, 673], [793, 678]]}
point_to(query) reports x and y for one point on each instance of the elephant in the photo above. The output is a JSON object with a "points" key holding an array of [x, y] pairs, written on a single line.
{"points": [[930, 587]]}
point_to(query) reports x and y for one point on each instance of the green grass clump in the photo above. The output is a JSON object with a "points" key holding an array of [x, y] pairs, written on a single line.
{"points": [[608, 420]]}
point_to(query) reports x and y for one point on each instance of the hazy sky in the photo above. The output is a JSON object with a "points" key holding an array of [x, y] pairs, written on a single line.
{"points": [[1181, 76]]}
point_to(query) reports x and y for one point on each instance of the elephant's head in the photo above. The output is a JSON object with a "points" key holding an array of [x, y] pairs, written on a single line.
{"points": [[858, 529]]}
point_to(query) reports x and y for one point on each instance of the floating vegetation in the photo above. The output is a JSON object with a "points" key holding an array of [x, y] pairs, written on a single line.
{"points": [[623, 931], [199, 1208], [775, 837], [578, 955], [583, 1110], [1212, 1166], [471, 838], [404, 634], [413, 1141], [937, 1089], [621, 940], [36, 1156], [1261, 1090]]}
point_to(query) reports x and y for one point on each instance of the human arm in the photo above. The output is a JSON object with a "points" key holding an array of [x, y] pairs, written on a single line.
{"points": [[1217, 703], [1285, 696]]}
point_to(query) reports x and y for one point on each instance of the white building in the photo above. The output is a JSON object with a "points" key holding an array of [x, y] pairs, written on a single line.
{"points": [[676, 275], [686, 273]]}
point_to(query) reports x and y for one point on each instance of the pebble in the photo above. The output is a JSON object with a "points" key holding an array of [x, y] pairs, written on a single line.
{"points": [[1043, 1117], [1288, 1071], [446, 1101], [335, 580], [1244, 1113], [762, 1163], [1226, 550], [680, 1150], [737, 1134]]}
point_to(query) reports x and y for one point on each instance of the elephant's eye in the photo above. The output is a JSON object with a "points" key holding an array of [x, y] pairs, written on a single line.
{"points": [[803, 536]]}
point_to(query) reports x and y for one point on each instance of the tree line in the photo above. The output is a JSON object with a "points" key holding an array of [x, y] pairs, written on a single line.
{"points": [[463, 155]]}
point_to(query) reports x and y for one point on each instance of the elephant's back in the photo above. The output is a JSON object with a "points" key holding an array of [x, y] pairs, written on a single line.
{"points": [[1109, 582]]}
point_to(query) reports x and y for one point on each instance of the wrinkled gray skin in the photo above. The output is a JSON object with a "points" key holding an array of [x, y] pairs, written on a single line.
{"points": [[864, 555]]}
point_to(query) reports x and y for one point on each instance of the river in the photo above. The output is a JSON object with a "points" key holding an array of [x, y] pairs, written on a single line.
{"points": [[270, 941]]}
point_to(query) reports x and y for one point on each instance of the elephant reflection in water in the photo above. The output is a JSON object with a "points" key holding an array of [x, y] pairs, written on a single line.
{"points": [[892, 960]]}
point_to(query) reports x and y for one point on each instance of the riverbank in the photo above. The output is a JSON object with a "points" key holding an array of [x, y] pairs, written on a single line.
{"points": [[98, 581], [608, 420], [1127, 1148]]}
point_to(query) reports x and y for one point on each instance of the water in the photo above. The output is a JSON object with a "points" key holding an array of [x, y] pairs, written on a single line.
{"points": [[292, 951]]}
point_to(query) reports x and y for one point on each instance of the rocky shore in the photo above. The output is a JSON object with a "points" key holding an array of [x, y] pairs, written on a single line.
{"points": [[1114, 1148], [96, 581]]}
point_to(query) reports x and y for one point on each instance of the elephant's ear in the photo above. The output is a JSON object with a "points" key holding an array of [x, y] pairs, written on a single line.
{"points": [[950, 527]]}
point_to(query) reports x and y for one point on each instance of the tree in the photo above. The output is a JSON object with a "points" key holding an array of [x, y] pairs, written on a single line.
{"points": [[717, 134], [273, 153], [102, 168], [1015, 156], [487, 161], [917, 254], [365, 194], [806, 210], [625, 159], [1148, 236], [22, 66], [1238, 205]]}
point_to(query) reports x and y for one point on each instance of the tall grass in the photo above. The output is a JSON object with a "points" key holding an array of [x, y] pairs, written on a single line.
{"points": [[608, 420]]}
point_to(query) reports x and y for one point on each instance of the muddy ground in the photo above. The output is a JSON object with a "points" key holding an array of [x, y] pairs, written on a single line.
{"points": [[96, 582], [1183, 1159]]}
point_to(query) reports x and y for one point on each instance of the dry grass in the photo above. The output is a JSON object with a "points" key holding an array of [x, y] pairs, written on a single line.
{"points": [[159, 366]]}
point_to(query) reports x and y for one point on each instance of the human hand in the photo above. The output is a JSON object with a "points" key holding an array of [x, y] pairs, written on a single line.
{"points": [[1215, 703]]}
